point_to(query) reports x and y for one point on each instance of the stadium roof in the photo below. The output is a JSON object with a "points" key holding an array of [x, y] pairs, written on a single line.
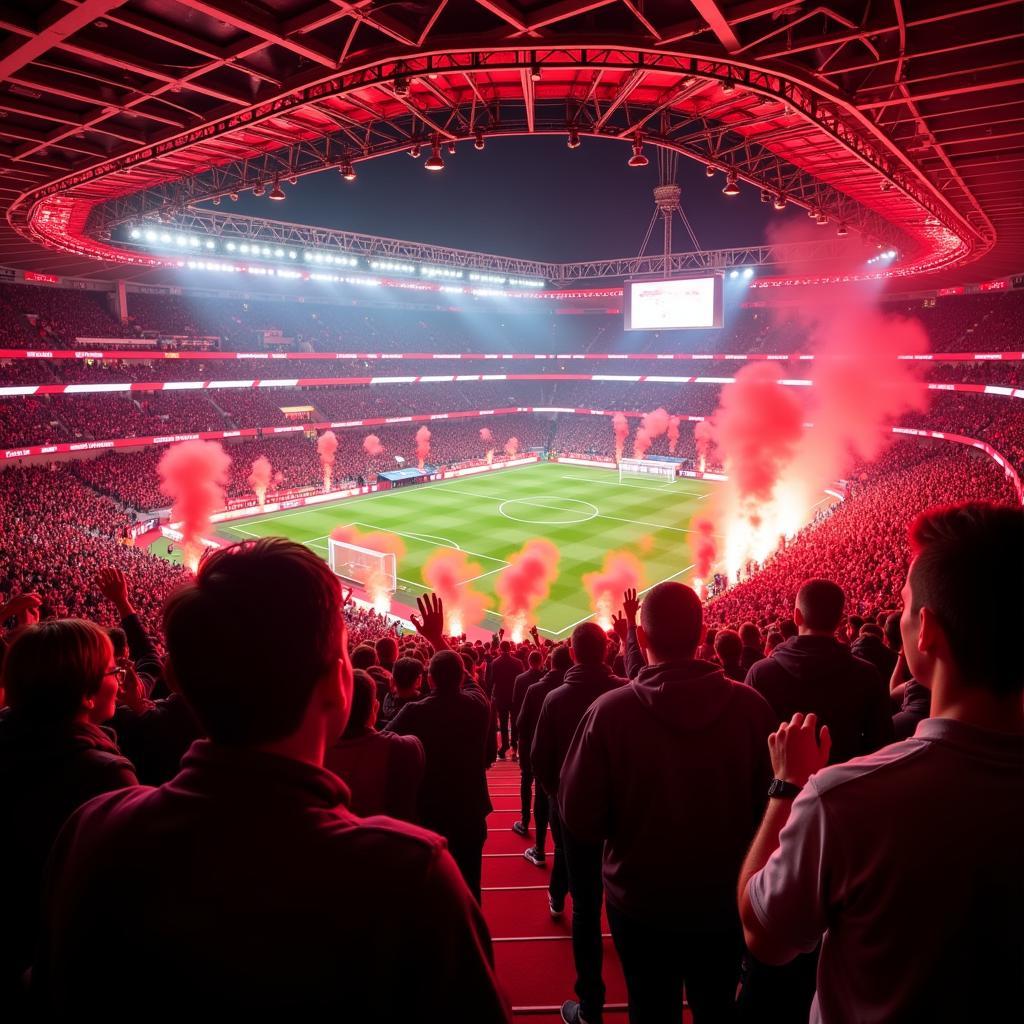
{"points": [[903, 119]]}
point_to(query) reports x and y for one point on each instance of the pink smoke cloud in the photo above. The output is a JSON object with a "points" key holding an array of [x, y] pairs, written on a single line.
{"points": [[372, 445], [422, 445], [327, 447], [194, 475], [620, 571], [447, 571], [525, 582], [512, 447], [621, 427], [673, 434], [259, 478]]}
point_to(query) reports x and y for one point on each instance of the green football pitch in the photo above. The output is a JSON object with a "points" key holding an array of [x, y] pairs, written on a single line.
{"points": [[584, 512]]}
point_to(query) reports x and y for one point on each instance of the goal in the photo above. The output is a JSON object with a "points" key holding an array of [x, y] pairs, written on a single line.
{"points": [[632, 469], [363, 565]]}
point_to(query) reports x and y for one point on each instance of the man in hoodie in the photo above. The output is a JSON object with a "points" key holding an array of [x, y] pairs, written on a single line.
{"points": [[526, 725], [588, 679], [533, 673], [501, 682], [871, 647], [814, 672], [672, 772]]}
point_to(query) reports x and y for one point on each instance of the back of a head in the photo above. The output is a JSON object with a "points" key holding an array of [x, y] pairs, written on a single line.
{"points": [[893, 637], [966, 571], [446, 672], [364, 693], [728, 646], [750, 635], [870, 629], [672, 619], [407, 674], [536, 659], [119, 639], [820, 603], [52, 666], [364, 656], [588, 644], [561, 659], [387, 651], [504, 647], [251, 636], [787, 627]]}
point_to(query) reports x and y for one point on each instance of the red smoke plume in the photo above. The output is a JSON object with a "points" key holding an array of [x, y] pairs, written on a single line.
{"points": [[702, 544], [703, 437], [485, 435], [621, 571], [327, 446], [641, 442], [259, 478], [525, 582], [422, 445], [512, 447], [376, 582], [621, 427], [372, 445], [447, 572], [673, 434], [193, 475], [652, 425]]}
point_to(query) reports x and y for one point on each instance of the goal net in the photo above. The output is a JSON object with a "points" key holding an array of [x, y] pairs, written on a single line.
{"points": [[633, 469], [368, 568]]}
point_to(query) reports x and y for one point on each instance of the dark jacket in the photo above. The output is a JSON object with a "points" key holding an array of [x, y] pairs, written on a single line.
{"points": [[155, 740], [819, 674], [749, 656], [501, 680], [246, 886], [47, 770], [383, 772], [523, 682], [869, 648], [453, 729], [142, 650], [560, 714], [526, 723], [917, 706], [672, 771]]}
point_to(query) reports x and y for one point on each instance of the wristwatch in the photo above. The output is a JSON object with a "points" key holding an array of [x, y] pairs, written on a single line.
{"points": [[782, 790]]}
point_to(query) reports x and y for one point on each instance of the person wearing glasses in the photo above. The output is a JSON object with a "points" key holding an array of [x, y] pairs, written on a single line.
{"points": [[61, 682]]}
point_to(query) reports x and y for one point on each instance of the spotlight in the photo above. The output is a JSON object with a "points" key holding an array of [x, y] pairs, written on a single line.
{"points": [[732, 188], [293, 180], [347, 171], [233, 196], [535, 72], [709, 171], [638, 159], [258, 189], [779, 202], [812, 213], [574, 139], [728, 87], [766, 196], [216, 200], [451, 147], [478, 140], [414, 152], [748, 272], [734, 273], [434, 161], [822, 217], [276, 193], [842, 230]]}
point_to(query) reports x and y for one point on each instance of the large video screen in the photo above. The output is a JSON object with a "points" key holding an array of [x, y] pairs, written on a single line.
{"points": [[690, 302]]}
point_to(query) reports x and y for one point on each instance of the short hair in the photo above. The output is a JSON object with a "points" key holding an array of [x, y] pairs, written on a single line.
{"points": [[773, 640], [504, 647], [52, 666], [364, 656], [536, 659], [561, 658], [364, 690], [750, 634], [728, 645], [407, 673], [710, 634], [891, 630], [387, 650], [672, 617], [821, 604], [787, 627], [854, 622], [119, 639], [589, 643], [447, 671], [966, 571], [249, 638], [870, 629]]}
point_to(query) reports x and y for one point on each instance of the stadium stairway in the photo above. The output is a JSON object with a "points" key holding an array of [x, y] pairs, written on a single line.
{"points": [[532, 952]]}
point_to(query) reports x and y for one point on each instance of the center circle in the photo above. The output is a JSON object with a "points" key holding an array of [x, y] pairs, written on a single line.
{"points": [[540, 510]]}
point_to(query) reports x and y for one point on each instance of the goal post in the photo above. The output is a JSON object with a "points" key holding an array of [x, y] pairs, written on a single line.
{"points": [[364, 566], [633, 469]]}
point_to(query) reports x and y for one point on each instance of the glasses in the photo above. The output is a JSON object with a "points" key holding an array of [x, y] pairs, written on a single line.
{"points": [[120, 674]]}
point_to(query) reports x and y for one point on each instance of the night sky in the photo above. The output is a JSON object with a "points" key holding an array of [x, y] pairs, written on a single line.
{"points": [[528, 197]]}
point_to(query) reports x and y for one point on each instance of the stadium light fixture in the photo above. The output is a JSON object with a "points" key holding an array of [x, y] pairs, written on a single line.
{"points": [[574, 139], [414, 151], [821, 218], [779, 202], [535, 72], [732, 187], [434, 162], [842, 231], [276, 193], [478, 140], [748, 272], [233, 196], [451, 147], [216, 200], [766, 196], [709, 171], [135, 233], [293, 179], [734, 273], [348, 172], [258, 189], [638, 159]]}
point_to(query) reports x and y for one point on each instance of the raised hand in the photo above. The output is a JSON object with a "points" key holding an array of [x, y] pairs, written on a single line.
{"points": [[430, 622], [112, 584], [630, 605], [796, 749], [620, 625]]}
